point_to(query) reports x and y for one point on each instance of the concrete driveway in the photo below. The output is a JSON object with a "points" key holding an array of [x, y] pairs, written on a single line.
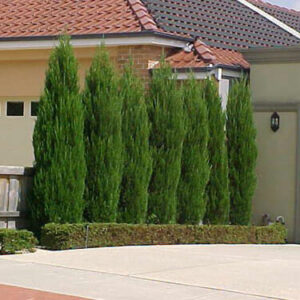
{"points": [[234, 272]]}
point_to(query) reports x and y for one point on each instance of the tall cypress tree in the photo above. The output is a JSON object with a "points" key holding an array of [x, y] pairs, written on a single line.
{"points": [[217, 192], [137, 155], [103, 140], [194, 165], [166, 139], [242, 152], [58, 143]]}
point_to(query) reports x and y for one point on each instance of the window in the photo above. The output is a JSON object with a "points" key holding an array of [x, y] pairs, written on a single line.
{"points": [[34, 108], [14, 108]]}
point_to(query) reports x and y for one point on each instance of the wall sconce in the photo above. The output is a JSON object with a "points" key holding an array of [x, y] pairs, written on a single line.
{"points": [[275, 121]]}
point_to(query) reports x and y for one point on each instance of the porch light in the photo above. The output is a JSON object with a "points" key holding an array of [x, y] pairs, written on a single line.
{"points": [[275, 121]]}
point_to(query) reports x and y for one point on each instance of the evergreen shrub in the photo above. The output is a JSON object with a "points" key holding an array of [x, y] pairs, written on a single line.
{"points": [[194, 162], [166, 139], [137, 155], [58, 143], [73, 236], [103, 139], [13, 241], [217, 193], [242, 152]]}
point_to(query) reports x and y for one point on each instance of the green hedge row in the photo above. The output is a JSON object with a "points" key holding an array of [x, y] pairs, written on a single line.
{"points": [[72, 236], [13, 241]]}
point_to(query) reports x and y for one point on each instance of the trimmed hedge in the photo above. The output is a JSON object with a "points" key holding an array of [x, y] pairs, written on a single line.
{"points": [[13, 241], [72, 236]]}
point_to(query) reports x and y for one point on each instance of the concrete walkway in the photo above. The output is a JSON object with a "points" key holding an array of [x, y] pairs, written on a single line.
{"points": [[233, 272]]}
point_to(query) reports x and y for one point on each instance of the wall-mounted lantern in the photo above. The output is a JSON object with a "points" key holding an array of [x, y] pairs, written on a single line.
{"points": [[275, 121]]}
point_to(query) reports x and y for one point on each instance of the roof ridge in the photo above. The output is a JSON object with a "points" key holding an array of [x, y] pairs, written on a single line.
{"points": [[270, 18], [204, 51], [139, 9]]}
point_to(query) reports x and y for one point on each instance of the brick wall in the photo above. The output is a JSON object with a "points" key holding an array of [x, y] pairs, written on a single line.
{"points": [[141, 55]]}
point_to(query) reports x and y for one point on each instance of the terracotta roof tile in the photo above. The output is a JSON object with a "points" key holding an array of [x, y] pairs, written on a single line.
{"points": [[223, 24], [203, 51], [53, 17], [207, 56]]}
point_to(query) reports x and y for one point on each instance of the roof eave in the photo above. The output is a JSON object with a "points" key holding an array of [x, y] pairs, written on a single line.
{"points": [[275, 54], [98, 35], [145, 37], [210, 68], [200, 73]]}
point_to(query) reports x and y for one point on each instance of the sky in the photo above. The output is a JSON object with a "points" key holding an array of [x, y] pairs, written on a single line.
{"points": [[295, 4]]}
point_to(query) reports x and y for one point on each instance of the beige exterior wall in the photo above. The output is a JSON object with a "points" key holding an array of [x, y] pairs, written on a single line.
{"points": [[276, 169], [22, 75], [16, 134], [275, 85], [275, 82]]}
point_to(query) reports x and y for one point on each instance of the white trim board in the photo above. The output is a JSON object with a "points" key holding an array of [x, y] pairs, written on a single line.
{"points": [[272, 19], [219, 73], [93, 42]]}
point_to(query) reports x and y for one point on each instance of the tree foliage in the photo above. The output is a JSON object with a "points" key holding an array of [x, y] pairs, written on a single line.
{"points": [[194, 165], [242, 152], [58, 143], [137, 155], [217, 192], [103, 140], [166, 139]]}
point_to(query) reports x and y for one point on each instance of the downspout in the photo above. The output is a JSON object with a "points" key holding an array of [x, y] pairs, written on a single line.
{"points": [[223, 87]]}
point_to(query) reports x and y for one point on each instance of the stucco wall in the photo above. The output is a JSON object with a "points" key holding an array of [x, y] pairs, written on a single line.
{"points": [[275, 88], [276, 169], [22, 75], [275, 82]]}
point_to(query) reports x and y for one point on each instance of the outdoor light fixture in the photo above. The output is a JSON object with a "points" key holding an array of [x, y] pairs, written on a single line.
{"points": [[275, 121]]}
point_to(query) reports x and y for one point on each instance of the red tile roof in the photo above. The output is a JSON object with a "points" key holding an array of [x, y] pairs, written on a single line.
{"points": [[20, 18], [225, 23], [142, 14], [220, 24], [202, 55]]}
